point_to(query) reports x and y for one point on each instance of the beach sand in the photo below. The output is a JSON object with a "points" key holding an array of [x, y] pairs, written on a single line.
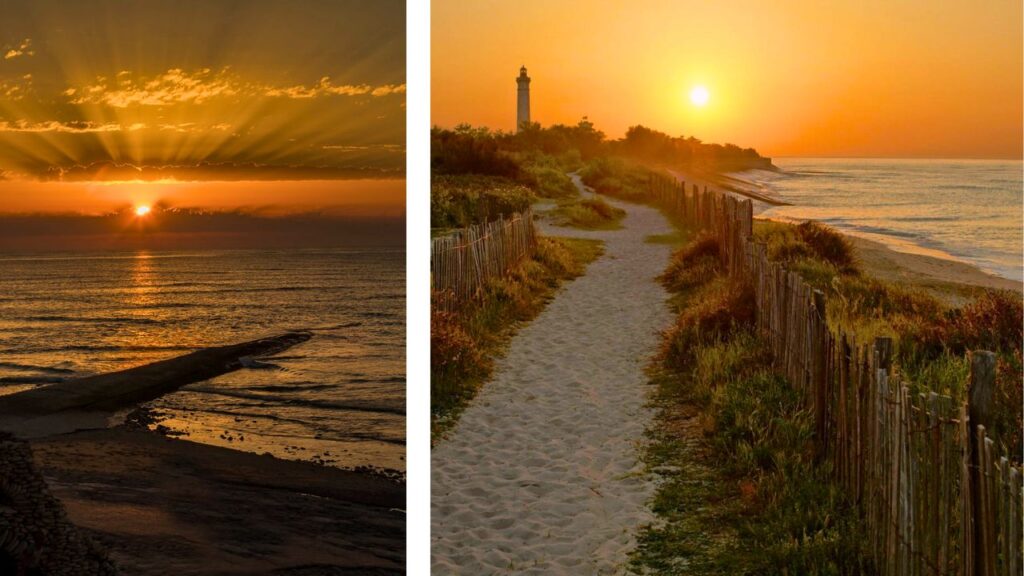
{"points": [[165, 506], [541, 474], [954, 281]]}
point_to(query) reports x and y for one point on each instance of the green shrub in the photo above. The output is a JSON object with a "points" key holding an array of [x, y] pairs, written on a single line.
{"points": [[551, 182], [468, 150], [590, 214], [617, 178], [461, 201], [828, 245], [1007, 421]]}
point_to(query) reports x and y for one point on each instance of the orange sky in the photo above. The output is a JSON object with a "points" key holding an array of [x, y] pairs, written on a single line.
{"points": [[356, 198], [907, 78]]}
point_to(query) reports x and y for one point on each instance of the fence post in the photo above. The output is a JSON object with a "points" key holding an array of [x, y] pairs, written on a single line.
{"points": [[819, 375], [887, 468], [983, 374]]}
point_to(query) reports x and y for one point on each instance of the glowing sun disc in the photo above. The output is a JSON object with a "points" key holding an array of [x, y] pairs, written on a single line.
{"points": [[699, 96], [142, 210]]}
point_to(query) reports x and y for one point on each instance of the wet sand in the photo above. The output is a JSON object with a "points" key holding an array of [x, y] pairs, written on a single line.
{"points": [[165, 506], [954, 281]]}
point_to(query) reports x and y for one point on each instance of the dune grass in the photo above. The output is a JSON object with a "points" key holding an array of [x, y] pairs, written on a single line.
{"points": [[740, 492], [674, 239], [547, 174], [589, 214], [464, 343], [618, 178]]}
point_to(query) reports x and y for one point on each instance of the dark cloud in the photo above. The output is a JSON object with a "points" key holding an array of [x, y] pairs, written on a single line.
{"points": [[188, 228]]}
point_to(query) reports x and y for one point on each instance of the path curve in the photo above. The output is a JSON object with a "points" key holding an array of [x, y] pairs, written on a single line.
{"points": [[542, 474]]}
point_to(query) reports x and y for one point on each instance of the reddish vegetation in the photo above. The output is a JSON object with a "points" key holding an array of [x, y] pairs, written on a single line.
{"points": [[993, 321], [452, 350]]}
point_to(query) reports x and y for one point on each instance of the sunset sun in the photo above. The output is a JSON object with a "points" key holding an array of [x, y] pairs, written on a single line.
{"points": [[142, 210], [699, 96]]}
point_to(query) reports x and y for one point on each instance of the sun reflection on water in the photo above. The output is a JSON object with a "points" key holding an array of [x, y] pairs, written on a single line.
{"points": [[142, 291]]}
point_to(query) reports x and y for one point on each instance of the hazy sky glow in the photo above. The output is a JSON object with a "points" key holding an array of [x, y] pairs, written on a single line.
{"points": [[263, 106], [790, 78]]}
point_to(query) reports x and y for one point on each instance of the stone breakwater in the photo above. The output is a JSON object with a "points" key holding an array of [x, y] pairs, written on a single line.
{"points": [[36, 536]]}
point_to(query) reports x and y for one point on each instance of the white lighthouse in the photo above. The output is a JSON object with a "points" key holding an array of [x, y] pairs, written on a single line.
{"points": [[523, 108]]}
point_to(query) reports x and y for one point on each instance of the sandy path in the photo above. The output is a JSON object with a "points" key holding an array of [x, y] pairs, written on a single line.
{"points": [[541, 475]]}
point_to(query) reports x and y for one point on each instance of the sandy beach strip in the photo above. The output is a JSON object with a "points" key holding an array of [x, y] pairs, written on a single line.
{"points": [[542, 474], [952, 280]]}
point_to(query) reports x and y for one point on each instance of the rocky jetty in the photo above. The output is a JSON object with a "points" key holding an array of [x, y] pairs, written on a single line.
{"points": [[90, 402], [35, 534]]}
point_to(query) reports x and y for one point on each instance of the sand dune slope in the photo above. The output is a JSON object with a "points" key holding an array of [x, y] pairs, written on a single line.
{"points": [[541, 475]]}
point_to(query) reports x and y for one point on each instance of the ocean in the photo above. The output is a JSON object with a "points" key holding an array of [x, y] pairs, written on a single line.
{"points": [[338, 399], [966, 210]]}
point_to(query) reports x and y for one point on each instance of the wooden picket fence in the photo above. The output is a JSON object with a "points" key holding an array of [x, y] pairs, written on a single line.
{"points": [[936, 493], [462, 262]]}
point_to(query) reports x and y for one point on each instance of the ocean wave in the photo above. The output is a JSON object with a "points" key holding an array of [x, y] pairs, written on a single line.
{"points": [[92, 319], [31, 379], [320, 433], [925, 218], [303, 402], [385, 380], [254, 364], [102, 348], [292, 387], [245, 290], [338, 326], [34, 368]]}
